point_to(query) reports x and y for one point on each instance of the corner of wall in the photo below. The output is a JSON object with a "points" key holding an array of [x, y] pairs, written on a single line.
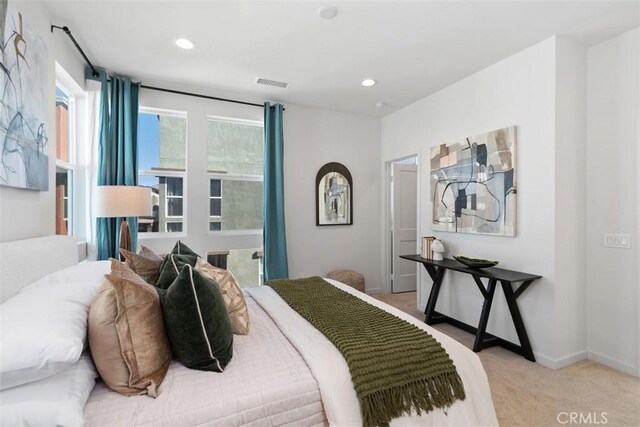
{"points": [[570, 199]]}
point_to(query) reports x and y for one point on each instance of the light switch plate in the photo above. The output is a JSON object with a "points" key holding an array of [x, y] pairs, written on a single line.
{"points": [[608, 240], [617, 240], [625, 241]]}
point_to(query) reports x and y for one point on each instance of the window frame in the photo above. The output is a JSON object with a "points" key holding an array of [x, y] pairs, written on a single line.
{"points": [[170, 173], [223, 176], [70, 166]]}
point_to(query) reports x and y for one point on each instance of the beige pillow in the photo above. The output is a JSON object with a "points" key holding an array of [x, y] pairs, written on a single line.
{"points": [[146, 264], [231, 293], [127, 338]]}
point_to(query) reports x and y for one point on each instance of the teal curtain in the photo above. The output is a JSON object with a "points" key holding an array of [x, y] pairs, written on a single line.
{"points": [[275, 243], [117, 154]]}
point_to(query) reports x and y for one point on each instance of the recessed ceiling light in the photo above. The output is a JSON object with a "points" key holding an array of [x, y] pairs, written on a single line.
{"points": [[368, 82], [380, 105], [185, 44], [327, 12]]}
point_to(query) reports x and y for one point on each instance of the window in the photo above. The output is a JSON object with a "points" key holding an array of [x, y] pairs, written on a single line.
{"points": [[246, 266], [65, 160], [162, 140], [234, 163]]}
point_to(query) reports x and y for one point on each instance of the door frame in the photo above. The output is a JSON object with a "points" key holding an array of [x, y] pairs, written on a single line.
{"points": [[387, 264]]}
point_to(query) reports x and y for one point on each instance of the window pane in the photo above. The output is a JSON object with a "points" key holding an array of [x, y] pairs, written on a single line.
{"points": [[215, 207], [174, 206], [174, 227], [215, 226], [62, 125], [244, 267], [64, 179], [163, 206], [234, 148], [215, 188], [174, 186], [242, 205], [162, 141]]}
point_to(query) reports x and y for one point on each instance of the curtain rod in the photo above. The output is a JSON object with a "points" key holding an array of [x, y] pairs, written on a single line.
{"points": [[95, 73]]}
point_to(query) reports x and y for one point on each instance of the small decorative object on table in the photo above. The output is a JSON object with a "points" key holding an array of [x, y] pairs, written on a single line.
{"points": [[426, 247], [437, 249], [475, 262]]}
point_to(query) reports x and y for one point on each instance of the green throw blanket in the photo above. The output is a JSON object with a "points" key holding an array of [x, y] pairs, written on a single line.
{"points": [[395, 366]]}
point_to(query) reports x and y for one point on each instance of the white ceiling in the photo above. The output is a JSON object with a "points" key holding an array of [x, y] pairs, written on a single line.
{"points": [[412, 48]]}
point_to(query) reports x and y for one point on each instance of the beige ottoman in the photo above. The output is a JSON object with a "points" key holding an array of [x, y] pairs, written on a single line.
{"points": [[348, 277]]}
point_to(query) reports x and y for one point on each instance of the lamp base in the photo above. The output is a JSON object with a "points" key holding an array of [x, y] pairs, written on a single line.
{"points": [[125, 238]]}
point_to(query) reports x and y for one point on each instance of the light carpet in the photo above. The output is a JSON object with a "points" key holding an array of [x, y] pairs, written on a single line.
{"points": [[528, 394]]}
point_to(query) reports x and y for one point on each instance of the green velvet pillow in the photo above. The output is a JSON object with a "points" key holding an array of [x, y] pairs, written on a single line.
{"points": [[182, 249], [197, 322], [171, 268]]}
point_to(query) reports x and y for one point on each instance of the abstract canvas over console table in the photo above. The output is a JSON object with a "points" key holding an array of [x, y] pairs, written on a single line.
{"points": [[473, 184]]}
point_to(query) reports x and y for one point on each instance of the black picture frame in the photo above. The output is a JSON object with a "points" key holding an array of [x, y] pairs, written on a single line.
{"points": [[337, 185]]}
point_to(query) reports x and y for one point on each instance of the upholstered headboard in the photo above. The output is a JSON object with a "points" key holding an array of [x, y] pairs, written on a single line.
{"points": [[24, 261]]}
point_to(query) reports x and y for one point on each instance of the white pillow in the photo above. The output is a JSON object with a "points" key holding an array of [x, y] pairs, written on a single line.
{"points": [[43, 328], [57, 400]]}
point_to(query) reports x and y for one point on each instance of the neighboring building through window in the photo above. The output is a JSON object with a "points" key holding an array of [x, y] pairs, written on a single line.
{"points": [[65, 161], [215, 205], [234, 163], [162, 141]]}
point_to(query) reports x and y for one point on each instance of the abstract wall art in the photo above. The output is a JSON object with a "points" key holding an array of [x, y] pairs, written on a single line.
{"points": [[24, 160], [473, 184], [334, 195]]}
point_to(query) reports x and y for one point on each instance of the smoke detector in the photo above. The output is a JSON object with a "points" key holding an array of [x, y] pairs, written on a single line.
{"points": [[327, 12], [270, 82]]}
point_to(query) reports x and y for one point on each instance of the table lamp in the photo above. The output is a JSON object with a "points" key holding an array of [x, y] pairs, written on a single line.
{"points": [[121, 201]]}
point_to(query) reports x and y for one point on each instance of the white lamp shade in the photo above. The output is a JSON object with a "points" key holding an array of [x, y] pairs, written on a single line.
{"points": [[122, 200]]}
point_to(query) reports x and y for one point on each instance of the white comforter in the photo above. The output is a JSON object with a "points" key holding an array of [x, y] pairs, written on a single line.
{"points": [[267, 383], [332, 373]]}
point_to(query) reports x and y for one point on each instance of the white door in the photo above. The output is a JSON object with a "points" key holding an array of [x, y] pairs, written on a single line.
{"points": [[404, 210]]}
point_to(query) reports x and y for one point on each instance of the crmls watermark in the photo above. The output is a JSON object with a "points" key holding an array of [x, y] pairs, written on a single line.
{"points": [[584, 418]]}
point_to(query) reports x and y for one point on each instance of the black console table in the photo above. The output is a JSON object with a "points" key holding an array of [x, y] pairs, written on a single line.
{"points": [[436, 270]]}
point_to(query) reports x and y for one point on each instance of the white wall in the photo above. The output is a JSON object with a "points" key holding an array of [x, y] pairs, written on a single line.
{"points": [[314, 137], [26, 213], [612, 201], [519, 90]]}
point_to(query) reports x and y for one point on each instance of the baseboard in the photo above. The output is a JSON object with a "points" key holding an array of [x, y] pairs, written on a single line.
{"points": [[372, 291], [613, 363], [562, 362]]}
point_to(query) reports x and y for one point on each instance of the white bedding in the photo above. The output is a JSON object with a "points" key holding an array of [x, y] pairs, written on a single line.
{"points": [[332, 373], [284, 372], [267, 383]]}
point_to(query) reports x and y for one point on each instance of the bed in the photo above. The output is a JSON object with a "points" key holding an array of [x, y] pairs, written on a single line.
{"points": [[283, 373]]}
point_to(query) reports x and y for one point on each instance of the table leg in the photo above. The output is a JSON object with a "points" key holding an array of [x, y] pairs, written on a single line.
{"points": [[527, 352], [484, 315], [433, 295]]}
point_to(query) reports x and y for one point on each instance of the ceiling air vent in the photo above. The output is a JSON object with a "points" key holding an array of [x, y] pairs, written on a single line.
{"points": [[274, 83]]}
